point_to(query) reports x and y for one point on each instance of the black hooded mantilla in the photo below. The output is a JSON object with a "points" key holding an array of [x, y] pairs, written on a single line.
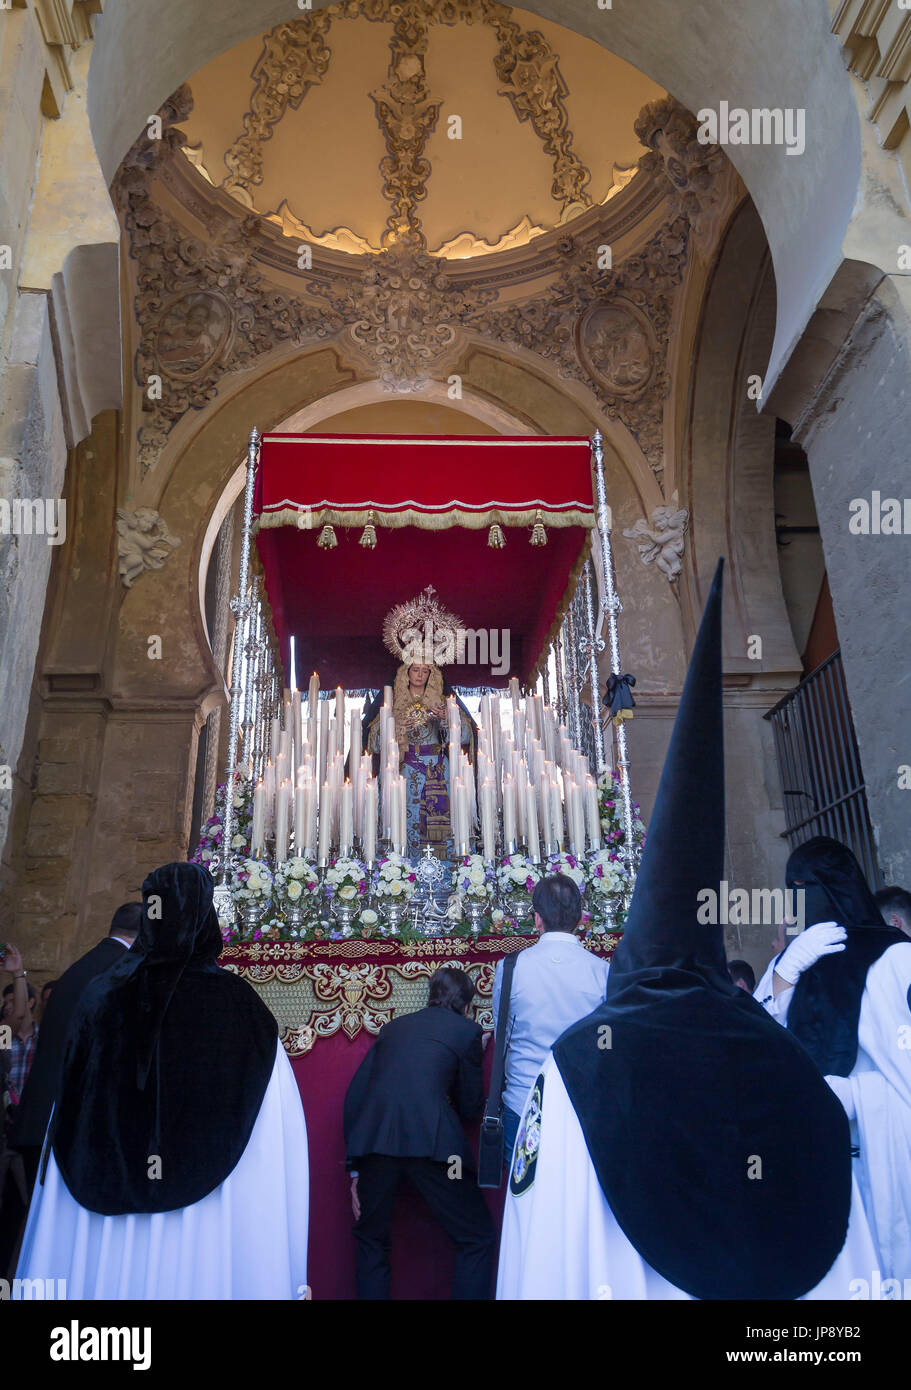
{"points": [[825, 1010], [167, 1063], [723, 1154]]}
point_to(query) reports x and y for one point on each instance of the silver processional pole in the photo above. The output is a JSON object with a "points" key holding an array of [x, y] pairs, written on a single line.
{"points": [[612, 607], [240, 607]]}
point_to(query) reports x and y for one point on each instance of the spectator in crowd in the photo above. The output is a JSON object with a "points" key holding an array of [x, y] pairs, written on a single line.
{"points": [[402, 1112], [47, 990], [895, 906], [38, 1097], [742, 974], [555, 983], [18, 1013]]}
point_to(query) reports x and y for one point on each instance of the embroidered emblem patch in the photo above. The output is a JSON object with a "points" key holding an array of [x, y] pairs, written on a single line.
{"points": [[528, 1143]]}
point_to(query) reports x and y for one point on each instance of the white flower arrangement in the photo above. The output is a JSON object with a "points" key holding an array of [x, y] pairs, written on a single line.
{"points": [[570, 866], [296, 881], [253, 881], [517, 874], [395, 879], [346, 879], [607, 877], [473, 879]]}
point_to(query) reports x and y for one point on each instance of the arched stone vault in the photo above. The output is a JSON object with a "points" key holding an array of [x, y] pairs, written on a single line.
{"points": [[111, 732], [773, 55]]}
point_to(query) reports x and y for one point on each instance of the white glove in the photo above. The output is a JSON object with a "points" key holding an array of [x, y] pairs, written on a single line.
{"points": [[823, 939], [842, 1087]]}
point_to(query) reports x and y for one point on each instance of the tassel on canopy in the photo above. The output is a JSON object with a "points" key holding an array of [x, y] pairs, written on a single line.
{"points": [[495, 538], [368, 535], [327, 538], [538, 534]]}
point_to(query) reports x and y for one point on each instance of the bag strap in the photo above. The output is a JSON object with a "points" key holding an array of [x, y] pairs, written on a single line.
{"points": [[497, 1071]]}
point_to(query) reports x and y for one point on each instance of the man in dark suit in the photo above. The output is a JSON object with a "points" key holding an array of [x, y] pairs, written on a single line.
{"points": [[402, 1120], [38, 1096]]}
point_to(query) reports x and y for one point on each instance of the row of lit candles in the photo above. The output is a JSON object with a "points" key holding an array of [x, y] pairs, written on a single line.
{"points": [[515, 776]]}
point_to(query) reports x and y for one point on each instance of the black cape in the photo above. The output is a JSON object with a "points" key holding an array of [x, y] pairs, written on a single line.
{"points": [[167, 1063], [825, 1010], [724, 1156]]}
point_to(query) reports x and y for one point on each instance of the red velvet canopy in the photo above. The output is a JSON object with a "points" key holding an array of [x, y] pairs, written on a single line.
{"points": [[431, 500]]}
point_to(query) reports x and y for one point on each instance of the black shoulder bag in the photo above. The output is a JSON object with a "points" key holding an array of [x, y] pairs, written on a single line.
{"points": [[490, 1146]]}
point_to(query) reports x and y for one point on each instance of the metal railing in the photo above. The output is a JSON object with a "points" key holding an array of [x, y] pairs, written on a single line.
{"points": [[819, 766]]}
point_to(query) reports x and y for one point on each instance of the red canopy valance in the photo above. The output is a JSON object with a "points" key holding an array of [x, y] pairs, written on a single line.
{"points": [[435, 493]]}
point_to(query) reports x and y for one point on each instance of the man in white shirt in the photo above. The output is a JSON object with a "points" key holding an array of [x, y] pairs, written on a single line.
{"points": [[555, 983]]}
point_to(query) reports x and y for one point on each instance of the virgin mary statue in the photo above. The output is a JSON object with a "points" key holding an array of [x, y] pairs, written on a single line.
{"points": [[423, 635]]}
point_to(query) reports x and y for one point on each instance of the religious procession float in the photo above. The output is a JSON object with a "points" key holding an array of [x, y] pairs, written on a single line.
{"points": [[388, 807]]}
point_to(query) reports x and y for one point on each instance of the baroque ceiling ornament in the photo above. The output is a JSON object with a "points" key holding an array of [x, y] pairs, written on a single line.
{"points": [[701, 178], [202, 308], [296, 58], [608, 330], [402, 311]]}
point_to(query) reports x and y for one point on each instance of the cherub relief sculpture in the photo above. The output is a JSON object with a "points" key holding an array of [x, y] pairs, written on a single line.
{"points": [[661, 542], [143, 543]]}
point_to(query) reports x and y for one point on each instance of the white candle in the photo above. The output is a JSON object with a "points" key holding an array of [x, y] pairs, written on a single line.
{"points": [[258, 834], [576, 819], [542, 788], [459, 817], [387, 696], [325, 822], [370, 814], [521, 775], [323, 738], [531, 824], [514, 691], [282, 815], [592, 813], [296, 723], [310, 806], [340, 709], [300, 817], [355, 741], [509, 814], [556, 814], [346, 819], [274, 746], [488, 820]]}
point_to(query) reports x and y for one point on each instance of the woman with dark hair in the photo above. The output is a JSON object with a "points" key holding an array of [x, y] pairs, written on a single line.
{"points": [[843, 987]]}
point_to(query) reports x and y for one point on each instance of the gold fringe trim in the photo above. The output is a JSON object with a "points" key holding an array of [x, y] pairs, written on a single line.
{"points": [[424, 521]]}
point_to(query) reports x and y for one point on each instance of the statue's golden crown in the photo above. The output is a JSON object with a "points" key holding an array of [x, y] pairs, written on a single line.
{"points": [[421, 628]]}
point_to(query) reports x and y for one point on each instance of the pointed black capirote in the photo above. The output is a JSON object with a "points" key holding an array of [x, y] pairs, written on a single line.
{"points": [[722, 1153], [684, 851]]}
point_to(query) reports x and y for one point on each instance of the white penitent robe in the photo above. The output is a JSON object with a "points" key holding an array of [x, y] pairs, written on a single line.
{"points": [[877, 1098], [561, 1241], [246, 1240]]}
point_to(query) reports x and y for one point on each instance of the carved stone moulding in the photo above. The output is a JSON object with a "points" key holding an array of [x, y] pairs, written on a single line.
{"points": [[616, 345], [194, 330]]}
